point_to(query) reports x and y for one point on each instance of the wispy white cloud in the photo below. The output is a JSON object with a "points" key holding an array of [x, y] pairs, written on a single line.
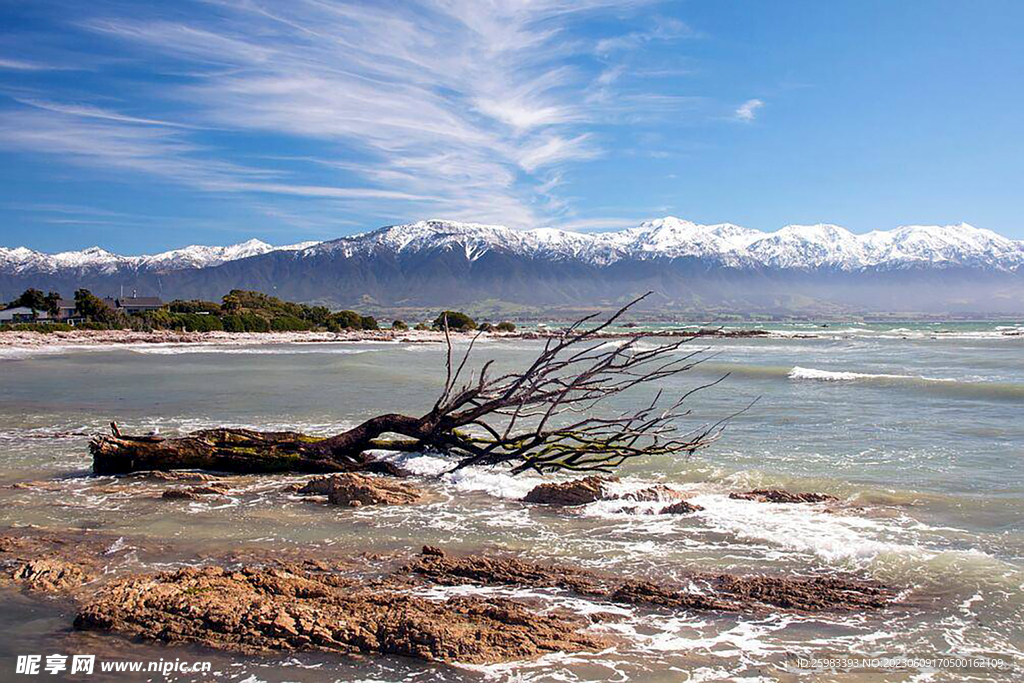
{"points": [[109, 144], [25, 65], [664, 29], [91, 112], [463, 108], [747, 111]]}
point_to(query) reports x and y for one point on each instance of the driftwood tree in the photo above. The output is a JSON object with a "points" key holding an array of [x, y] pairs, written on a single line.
{"points": [[545, 418]]}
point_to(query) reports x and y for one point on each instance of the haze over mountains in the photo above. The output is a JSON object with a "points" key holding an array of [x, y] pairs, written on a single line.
{"points": [[817, 269]]}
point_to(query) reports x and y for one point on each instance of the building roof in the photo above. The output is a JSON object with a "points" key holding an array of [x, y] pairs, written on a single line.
{"points": [[130, 302], [23, 310]]}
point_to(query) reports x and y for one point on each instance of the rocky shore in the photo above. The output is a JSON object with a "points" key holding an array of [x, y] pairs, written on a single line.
{"points": [[85, 338], [353, 604]]}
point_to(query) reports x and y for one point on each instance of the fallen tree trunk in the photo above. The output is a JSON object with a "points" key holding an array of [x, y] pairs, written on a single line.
{"points": [[540, 419], [230, 450]]}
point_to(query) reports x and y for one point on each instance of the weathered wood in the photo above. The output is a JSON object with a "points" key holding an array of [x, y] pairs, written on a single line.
{"points": [[540, 419], [229, 450]]}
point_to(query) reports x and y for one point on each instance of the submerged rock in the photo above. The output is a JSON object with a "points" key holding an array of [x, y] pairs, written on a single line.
{"points": [[174, 475], [194, 492], [681, 508], [780, 496], [48, 575], [361, 489], [805, 594], [652, 494], [717, 592], [256, 609], [593, 488], [47, 563]]}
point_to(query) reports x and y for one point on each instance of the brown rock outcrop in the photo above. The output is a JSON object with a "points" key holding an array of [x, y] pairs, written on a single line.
{"points": [[589, 489], [681, 508], [255, 609], [361, 489], [780, 496], [809, 595], [47, 564], [194, 492], [652, 494], [720, 592], [575, 492]]}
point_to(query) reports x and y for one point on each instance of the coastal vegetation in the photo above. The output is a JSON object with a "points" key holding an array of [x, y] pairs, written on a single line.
{"points": [[238, 311]]}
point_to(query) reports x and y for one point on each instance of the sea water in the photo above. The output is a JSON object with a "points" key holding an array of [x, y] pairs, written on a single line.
{"points": [[917, 429]]}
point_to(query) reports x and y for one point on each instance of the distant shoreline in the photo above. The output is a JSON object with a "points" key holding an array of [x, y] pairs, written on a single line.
{"points": [[115, 338], [121, 337]]}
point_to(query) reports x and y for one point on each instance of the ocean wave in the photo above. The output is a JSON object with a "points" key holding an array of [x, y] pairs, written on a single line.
{"points": [[963, 388], [842, 376], [802, 528]]}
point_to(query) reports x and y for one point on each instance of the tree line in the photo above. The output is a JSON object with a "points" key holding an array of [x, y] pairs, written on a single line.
{"points": [[238, 311]]}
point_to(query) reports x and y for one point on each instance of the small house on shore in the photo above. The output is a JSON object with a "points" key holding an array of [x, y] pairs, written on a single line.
{"points": [[67, 312], [23, 314], [137, 304]]}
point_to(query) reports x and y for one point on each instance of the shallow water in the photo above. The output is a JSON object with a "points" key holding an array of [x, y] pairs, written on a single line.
{"points": [[918, 431]]}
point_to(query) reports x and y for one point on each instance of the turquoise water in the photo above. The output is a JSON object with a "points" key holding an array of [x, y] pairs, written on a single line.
{"points": [[918, 429]]}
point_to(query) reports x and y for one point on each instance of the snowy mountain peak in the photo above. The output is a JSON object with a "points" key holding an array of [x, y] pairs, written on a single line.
{"points": [[793, 247], [21, 259]]}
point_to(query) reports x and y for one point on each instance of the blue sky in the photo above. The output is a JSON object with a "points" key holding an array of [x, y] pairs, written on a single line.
{"points": [[147, 126]]}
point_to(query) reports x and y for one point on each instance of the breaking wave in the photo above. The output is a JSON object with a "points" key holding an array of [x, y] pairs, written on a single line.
{"points": [[964, 388]]}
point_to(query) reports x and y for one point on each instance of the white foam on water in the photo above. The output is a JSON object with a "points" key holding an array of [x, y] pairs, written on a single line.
{"points": [[492, 482], [807, 528], [841, 376]]}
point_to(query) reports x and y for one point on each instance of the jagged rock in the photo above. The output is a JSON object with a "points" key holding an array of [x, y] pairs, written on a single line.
{"points": [[804, 594], [575, 492], [47, 564], [593, 488], [652, 493], [256, 610], [720, 592], [47, 575], [780, 496], [681, 508], [361, 489], [647, 593]]}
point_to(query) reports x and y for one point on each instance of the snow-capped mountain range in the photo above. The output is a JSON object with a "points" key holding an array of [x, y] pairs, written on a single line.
{"points": [[799, 247], [692, 267], [21, 259]]}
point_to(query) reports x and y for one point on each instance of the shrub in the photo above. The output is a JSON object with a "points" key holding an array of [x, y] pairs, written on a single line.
{"points": [[399, 325], [194, 306], [368, 322], [316, 315], [194, 322], [289, 323], [486, 327], [457, 320], [245, 322], [421, 327], [346, 320], [505, 326]]}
